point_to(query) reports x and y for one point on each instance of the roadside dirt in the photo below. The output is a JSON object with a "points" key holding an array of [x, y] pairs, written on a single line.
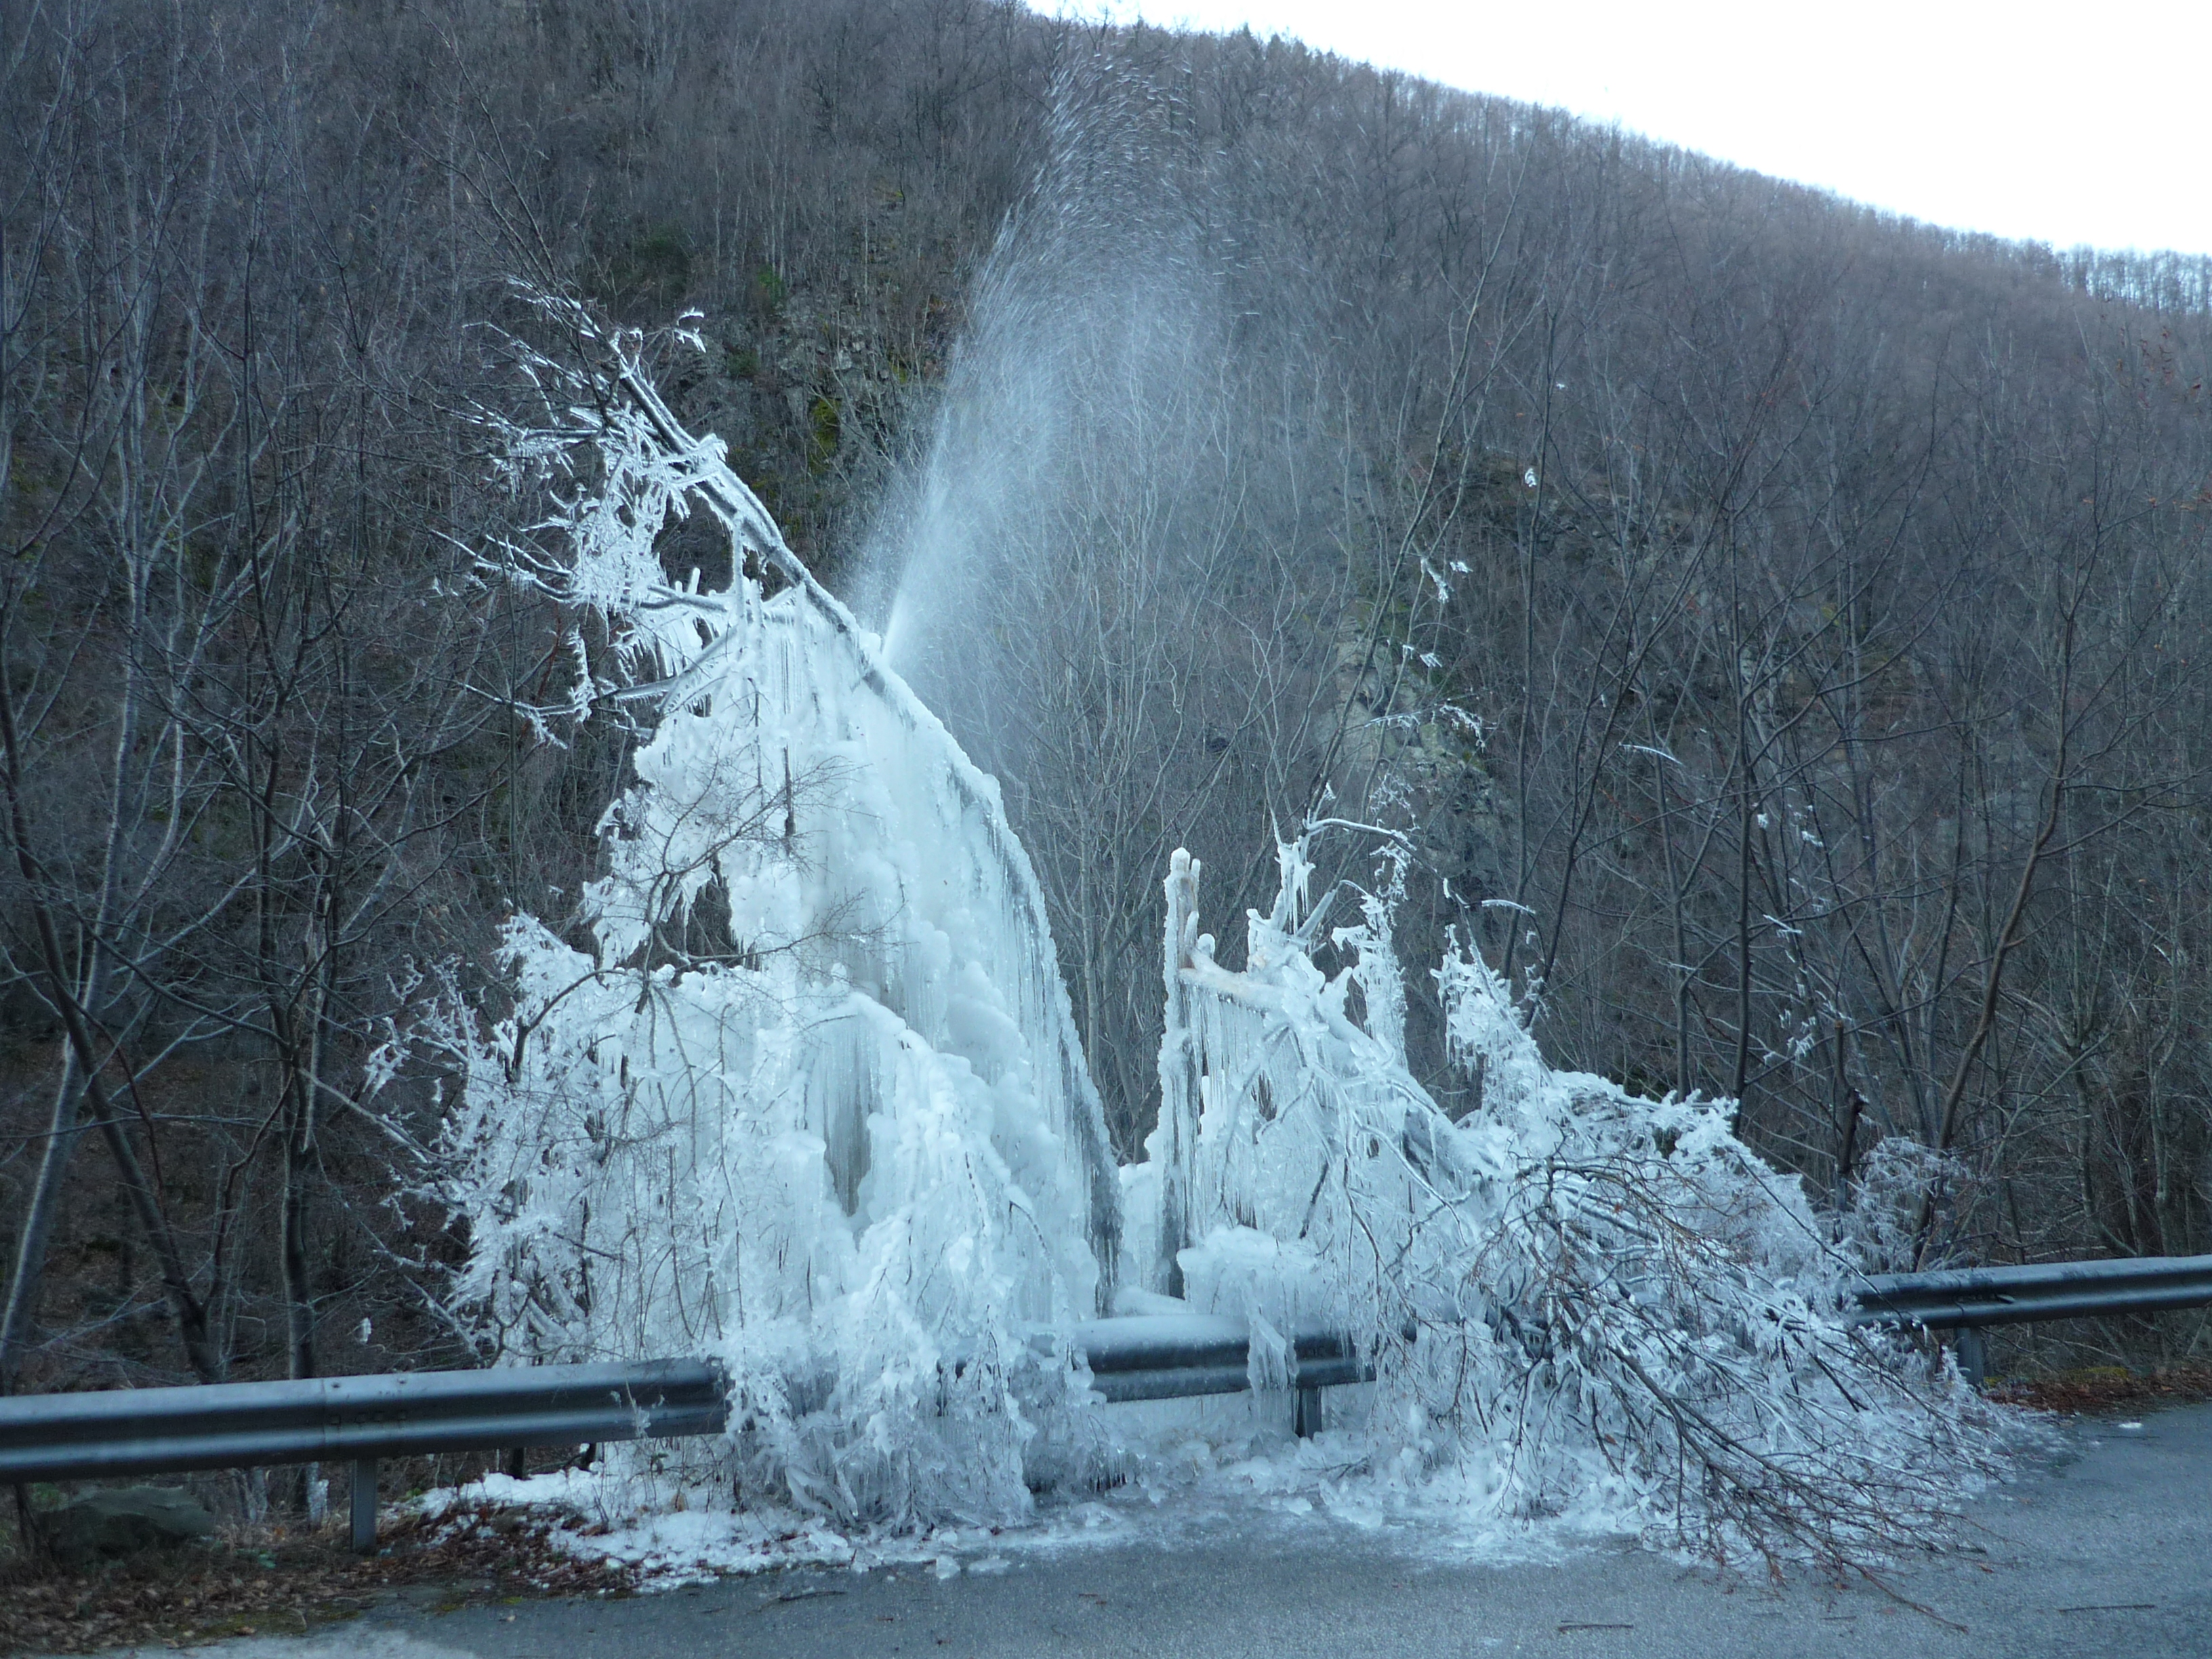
{"points": [[2107, 1388], [274, 1583]]}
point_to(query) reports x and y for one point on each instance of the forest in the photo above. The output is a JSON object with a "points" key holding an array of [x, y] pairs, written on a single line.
{"points": [[1775, 631]]}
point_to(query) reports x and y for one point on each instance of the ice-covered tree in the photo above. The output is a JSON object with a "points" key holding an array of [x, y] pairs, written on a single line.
{"points": [[1578, 1301], [803, 1094]]}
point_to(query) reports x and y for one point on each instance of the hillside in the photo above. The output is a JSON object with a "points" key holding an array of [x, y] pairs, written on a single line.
{"points": [[1778, 629]]}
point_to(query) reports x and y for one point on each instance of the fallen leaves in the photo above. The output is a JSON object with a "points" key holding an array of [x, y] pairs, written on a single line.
{"points": [[271, 1585], [2107, 1388]]}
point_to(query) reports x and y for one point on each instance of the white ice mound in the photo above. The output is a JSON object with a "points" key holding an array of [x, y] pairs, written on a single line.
{"points": [[1578, 1303], [809, 1098], [802, 1091]]}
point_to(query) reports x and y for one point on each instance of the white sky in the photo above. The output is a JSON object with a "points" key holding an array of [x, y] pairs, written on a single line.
{"points": [[2065, 124]]}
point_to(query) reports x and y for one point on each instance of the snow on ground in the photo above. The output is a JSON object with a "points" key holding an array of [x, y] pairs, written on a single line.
{"points": [[1193, 1472]]}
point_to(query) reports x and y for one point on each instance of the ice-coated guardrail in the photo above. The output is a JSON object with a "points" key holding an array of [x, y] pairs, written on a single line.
{"points": [[359, 1419], [1181, 1356]]}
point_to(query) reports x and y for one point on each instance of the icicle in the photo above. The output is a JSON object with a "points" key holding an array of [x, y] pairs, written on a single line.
{"points": [[1585, 1292], [1173, 1142], [834, 1126]]}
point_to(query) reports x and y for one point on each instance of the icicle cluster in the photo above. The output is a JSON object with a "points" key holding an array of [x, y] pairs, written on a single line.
{"points": [[810, 1100], [803, 1093], [1578, 1301]]}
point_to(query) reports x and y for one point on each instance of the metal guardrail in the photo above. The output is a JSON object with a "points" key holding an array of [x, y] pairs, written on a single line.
{"points": [[359, 1419], [1183, 1356], [1965, 1298], [353, 1420]]}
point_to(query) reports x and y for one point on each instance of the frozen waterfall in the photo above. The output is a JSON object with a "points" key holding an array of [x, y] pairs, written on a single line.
{"points": [[809, 1098], [802, 1093]]}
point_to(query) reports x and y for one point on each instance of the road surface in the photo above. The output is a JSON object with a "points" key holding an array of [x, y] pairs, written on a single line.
{"points": [[2105, 1549]]}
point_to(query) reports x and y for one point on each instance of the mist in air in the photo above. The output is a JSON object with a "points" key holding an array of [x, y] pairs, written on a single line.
{"points": [[1135, 405]]}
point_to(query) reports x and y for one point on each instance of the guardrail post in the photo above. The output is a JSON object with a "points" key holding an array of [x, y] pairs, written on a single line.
{"points": [[1974, 1357], [1308, 1423], [364, 1505]]}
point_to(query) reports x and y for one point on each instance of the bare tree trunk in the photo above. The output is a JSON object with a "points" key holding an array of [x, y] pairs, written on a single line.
{"points": [[192, 1325], [1845, 1106], [63, 1129], [2008, 938], [304, 1086]]}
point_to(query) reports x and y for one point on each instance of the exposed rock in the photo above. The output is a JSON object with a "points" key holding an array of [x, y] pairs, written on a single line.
{"points": [[107, 1524]]}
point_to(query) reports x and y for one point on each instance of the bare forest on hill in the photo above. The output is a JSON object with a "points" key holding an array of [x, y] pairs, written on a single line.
{"points": [[1781, 630]]}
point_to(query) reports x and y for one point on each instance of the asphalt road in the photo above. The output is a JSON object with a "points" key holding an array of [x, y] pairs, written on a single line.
{"points": [[2106, 1549]]}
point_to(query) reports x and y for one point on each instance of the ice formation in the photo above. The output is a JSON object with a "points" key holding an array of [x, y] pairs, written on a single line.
{"points": [[1577, 1302], [810, 1100]]}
